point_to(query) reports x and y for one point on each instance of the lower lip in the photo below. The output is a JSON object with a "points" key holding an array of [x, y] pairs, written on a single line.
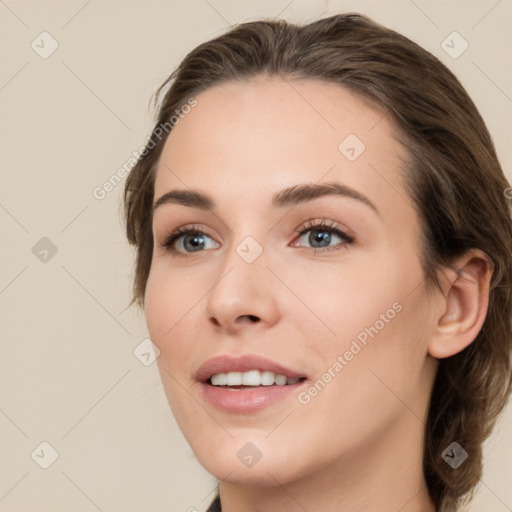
{"points": [[247, 400]]}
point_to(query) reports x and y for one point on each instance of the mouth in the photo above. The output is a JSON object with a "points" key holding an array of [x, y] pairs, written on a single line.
{"points": [[247, 384]]}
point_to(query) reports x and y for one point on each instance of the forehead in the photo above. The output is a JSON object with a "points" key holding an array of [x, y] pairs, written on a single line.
{"points": [[250, 139]]}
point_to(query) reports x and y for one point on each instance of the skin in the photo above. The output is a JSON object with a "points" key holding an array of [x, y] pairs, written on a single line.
{"points": [[357, 445]]}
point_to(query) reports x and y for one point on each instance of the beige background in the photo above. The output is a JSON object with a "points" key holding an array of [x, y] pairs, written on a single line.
{"points": [[68, 122]]}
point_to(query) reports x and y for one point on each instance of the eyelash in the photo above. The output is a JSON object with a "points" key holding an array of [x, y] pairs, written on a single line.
{"points": [[323, 225]]}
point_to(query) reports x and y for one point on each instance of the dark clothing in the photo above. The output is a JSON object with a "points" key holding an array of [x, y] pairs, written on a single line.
{"points": [[215, 505]]}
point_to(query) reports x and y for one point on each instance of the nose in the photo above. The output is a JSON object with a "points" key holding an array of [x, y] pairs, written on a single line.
{"points": [[242, 295]]}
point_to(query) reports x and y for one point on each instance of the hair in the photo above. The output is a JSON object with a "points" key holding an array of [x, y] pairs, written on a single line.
{"points": [[452, 174]]}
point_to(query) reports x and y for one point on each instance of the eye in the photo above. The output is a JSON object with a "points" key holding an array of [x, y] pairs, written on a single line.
{"points": [[323, 235], [189, 239]]}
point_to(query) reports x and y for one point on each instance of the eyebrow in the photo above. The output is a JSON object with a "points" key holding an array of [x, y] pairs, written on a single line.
{"points": [[290, 196]]}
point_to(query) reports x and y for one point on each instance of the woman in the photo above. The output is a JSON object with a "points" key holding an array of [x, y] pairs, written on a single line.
{"points": [[323, 254]]}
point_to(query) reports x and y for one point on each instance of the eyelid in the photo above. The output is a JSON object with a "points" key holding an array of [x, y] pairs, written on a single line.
{"points": [[170, 237], [319, 223]]}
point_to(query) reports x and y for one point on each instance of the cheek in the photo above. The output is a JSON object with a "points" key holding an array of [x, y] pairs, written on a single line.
{"points": [[345, 296], [169, 301], [170, 313], [157, 303], [168, 304], [373, 342], [378, 386], [377, 363]]}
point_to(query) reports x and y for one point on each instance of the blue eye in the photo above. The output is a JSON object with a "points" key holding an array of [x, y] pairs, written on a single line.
{"points": [[320, 236], [188, 240]]}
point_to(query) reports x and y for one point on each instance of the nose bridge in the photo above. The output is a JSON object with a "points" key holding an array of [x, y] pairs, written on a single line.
{"points": [[245, 254]]}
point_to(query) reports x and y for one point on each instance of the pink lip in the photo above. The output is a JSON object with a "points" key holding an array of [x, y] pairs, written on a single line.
{"points": [[246, 401], [250, 399]]}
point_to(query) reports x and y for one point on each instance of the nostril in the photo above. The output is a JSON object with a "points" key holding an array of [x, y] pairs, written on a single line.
{"points": [[251, 318]]}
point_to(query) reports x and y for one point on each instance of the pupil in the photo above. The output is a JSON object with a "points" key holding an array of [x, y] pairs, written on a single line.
{"points": [[196, 241], [321, 236]]}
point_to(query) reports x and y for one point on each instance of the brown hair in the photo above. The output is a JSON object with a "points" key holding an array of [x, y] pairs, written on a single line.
{"points": [[452, 175]]}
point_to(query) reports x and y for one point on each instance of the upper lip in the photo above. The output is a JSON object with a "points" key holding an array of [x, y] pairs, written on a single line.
{"points": [[226, 364]]}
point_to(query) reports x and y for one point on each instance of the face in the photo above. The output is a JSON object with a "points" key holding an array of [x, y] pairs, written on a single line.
{"points": [[324, 283]]}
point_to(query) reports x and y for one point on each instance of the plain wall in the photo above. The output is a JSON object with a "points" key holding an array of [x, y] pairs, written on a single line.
{"points": [[68, 374]]}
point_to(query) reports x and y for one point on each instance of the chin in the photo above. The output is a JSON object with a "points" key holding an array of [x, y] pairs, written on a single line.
{"points": [[259, 475], [242, 462]]}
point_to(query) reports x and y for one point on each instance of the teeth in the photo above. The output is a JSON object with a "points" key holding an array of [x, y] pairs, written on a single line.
{"points": [[267, 378], [219, 379], [251, 378], [234, 379]]}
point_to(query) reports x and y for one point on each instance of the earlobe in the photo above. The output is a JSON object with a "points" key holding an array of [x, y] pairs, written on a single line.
{"points": [[464, 306]]}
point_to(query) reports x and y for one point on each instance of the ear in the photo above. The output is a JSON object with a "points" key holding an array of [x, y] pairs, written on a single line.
{"points": [[464, 304]]}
